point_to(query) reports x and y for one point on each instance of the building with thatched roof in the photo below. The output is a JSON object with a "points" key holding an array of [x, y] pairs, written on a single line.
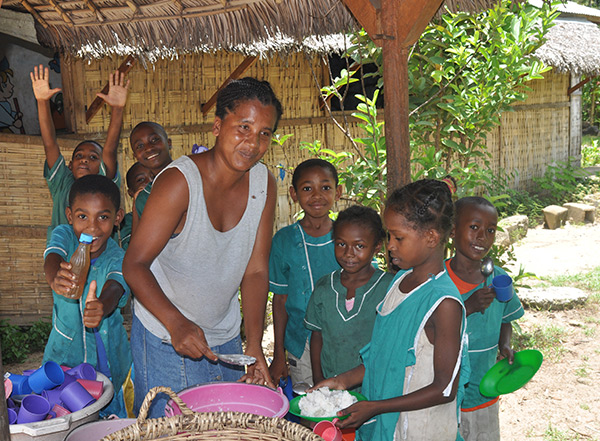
{"points": [[545, 129], [184, 51]]}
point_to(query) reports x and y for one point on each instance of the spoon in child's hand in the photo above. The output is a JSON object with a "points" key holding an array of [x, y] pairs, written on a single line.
{"points": [[487, 268]]}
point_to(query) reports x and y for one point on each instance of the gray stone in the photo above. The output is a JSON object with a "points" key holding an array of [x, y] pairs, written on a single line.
{"points": [[592, 199], [580, 213], [515, 229], [553, 297], [555, 216]]}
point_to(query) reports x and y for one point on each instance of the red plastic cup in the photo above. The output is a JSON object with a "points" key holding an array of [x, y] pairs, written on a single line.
{"points": [[94, 387], [328, 430], [60, 411]]}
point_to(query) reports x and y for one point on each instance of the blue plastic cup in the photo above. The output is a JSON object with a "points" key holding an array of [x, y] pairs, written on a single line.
{"points": [[503, 286], [75, 397], [85, 371], [48, 376], [20, 384], [12, 416], [33, 408]]}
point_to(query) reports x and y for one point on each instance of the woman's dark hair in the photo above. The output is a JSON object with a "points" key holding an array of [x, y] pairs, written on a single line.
{"points": [[310, 163], [425, 204], [247, 89], [95, 184], [363, 216]]}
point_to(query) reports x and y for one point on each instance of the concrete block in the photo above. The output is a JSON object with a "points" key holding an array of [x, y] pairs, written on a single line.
{"points": [[515, 229], [555, 216], [580, 213], [553, 297]]}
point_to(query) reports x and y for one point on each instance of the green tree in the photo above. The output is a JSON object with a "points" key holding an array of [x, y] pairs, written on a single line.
{"points": [[464, 71]]}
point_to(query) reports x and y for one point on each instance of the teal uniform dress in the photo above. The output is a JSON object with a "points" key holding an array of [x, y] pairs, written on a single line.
{"points": [[59, 179], [122, 234], [344, 332], [484, 332], [296, 263], [142, 198], [392, 349], [70, 343]]}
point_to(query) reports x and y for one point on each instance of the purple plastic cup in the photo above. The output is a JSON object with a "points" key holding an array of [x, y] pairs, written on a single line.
{"points": [[48, 376], [68, 380], [11, 404], [75, 397], [28, 372], [85, 371], [20, 384], [53, 396], [33, 408], [12, 416]]}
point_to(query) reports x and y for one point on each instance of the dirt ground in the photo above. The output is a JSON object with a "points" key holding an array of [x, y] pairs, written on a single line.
{"points": [[562, 402]]}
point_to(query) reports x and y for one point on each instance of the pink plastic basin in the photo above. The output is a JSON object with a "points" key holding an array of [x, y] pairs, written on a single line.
{"points": [[232, 397]]}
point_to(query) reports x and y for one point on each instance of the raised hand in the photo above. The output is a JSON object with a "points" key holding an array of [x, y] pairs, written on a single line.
{"points": [[117, 90], [94, 308], [64, 280], [40, 80]]}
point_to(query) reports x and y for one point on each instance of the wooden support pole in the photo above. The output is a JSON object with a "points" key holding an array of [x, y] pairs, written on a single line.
{"points": [[61, 12], [125, 67], [238, 72]]}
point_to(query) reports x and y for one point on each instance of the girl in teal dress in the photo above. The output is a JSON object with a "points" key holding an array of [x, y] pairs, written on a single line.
{"points": [[410, 370]]}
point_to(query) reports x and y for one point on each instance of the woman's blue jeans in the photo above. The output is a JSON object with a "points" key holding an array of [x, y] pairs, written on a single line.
{"points": [[157, 364]]}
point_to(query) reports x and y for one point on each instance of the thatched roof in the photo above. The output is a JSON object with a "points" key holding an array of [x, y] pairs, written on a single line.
{"points": [[572, 45], [168, 27]]}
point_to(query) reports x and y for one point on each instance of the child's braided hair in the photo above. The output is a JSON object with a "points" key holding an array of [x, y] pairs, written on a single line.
{"points": [[425, 204], [244, 89]]}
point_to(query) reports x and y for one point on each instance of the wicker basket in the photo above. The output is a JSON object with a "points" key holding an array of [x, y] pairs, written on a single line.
{"points": [[223, 426]]}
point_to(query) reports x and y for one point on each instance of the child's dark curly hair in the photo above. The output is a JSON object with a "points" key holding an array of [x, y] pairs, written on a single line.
{"points": [[425, 204], [363, 216], [247, 88]]}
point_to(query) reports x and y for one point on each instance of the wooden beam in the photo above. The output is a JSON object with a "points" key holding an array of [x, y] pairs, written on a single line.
{"points": [[366, 14], [61, 12], [238, 72], [92, 7], [35, 14], [125, 67], [578, 85], [411, 17]]}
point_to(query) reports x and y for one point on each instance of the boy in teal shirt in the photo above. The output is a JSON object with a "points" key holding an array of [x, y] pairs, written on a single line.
{"points": [[488, 321], [93, 209], [301, 254], [138, 177], [88, 157]]}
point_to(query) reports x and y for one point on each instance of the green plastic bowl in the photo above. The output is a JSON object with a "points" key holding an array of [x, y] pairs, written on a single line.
{"points": [[504, 378], [295, 409]]}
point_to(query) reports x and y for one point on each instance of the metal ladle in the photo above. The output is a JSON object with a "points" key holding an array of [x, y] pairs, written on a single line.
{"points": [[236, 359]]}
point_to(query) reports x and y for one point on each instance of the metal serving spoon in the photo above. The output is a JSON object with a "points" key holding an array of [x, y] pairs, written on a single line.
{"points": [[487, 266], [235, 359]]}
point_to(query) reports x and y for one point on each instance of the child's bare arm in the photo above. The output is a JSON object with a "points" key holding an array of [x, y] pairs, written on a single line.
{"points": [[316, 346], [41, 89], [116, 98], [58, 274], [278, 368], [96, 308], [504, 342], [254, 288], [445, 325]]}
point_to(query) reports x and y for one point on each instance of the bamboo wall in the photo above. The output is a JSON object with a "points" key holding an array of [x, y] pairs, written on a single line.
{"points": [[536, 133], [171, 93]]}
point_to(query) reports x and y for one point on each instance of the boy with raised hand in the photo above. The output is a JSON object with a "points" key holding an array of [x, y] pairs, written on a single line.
{"points": [[488, 320], [88, 157], [93, 209]]}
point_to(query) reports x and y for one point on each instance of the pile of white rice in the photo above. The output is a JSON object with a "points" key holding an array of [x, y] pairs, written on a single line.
{"points": [[325, 402]]}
